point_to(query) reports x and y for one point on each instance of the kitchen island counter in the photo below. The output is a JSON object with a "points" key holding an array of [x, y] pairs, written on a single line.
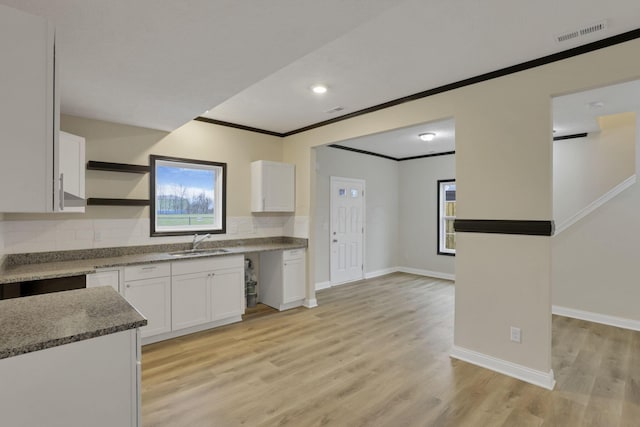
{"points": [[43, 321]]}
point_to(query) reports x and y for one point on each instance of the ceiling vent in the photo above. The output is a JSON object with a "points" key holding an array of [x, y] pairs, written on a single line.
{"points": [[582, 32], [334, 110]]}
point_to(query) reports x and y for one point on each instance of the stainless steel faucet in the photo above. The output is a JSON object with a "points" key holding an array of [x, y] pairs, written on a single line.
{"points": [[196, 241]]}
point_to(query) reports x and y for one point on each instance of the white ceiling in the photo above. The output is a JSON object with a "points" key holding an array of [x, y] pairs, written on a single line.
{"points": [[403, 143], [160, 63], [579, 112], [572, 114]]}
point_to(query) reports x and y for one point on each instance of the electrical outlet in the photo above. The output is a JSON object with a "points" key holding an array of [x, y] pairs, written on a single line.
{"points": [[516, 334]]}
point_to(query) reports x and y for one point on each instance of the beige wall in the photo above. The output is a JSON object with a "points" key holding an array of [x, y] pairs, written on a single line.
{"points": [[586, 168], [595, 262], [103, 226], [504, 171], [112, 142]]}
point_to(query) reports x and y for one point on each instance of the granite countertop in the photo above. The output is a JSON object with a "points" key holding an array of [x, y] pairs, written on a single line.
{"points": [[11, 273], [43, 321]]}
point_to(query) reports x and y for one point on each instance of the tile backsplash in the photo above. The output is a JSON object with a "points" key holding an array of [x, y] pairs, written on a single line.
{"points": [[69, 234]]}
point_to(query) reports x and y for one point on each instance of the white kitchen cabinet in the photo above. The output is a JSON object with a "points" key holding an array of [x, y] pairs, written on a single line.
{"points": [[189, 300], [148, 289], [93, 382], [104, 278], [29, 114], [207, 290], [272, 186], [227, 293], [282, 278]]}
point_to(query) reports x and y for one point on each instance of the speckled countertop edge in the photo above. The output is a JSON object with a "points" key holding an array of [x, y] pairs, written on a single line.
{"points": [[50, 270], [43, 321]]}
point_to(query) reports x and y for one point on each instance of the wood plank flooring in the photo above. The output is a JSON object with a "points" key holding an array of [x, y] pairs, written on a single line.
{"points": [[375, 353]]}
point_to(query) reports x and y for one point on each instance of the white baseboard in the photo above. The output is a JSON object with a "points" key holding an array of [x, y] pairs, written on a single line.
{"points": [[595, 204], [378, 273], [532, 376], [310, 303], [619, 322], [385, 271], [323, 285], [429, 273]]}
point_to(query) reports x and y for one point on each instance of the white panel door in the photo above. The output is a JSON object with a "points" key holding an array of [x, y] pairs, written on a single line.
{"points": [[347, 229]]}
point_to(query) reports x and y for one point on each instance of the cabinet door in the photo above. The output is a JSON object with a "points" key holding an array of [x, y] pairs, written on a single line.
{"points": [[293, 273], [27, 113], [279, 187], [189, 296], [227, 293], [152, 298]]}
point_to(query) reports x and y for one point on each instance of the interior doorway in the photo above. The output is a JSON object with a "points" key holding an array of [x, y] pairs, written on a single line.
{"points": [[347, 226]]}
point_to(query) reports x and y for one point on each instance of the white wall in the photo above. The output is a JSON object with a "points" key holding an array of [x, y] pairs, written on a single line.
{"points": [[595, 262], [418, 226], [382, 212], [586, 168]]}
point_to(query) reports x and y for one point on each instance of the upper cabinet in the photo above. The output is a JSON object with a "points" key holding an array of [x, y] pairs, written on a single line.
{"points": [[272, 186], [30, 178]]}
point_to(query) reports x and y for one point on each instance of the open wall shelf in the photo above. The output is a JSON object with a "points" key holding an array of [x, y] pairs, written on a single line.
{"points": [[96, 201], [116, 167]]}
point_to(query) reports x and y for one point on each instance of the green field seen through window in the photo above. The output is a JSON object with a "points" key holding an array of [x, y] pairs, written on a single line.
{"points": [[185, 219]]}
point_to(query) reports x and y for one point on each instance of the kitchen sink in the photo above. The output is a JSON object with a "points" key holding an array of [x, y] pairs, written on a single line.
{"points": [[194, 252]]}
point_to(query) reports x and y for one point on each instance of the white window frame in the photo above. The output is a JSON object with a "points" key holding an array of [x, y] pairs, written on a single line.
{"points": [[442, 218]]}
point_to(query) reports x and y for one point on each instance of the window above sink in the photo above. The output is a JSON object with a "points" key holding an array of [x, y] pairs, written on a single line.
{"points": [[187, 196]]}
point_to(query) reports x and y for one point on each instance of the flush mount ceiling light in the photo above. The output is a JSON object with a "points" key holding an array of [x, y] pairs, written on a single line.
{"points": [[427, 136], [595, 105], [319, 89]]}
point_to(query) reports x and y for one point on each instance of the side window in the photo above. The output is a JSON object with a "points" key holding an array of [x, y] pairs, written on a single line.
{"points": [[446, 216]]}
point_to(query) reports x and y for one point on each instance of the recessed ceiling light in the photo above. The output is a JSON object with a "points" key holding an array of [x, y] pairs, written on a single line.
{"points": [[595, 105], [319, 89], [427, 136]]}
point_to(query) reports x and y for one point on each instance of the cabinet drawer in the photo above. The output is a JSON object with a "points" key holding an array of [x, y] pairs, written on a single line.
{"points": [[207, 264], [147, 271], [292, 254]]}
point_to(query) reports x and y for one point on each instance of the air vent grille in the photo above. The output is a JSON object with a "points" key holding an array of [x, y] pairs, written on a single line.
{"points": [[582, 32], [334, 110]]}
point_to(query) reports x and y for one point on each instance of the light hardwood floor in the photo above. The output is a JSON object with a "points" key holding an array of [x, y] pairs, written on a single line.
{"points": [[375, 353]]}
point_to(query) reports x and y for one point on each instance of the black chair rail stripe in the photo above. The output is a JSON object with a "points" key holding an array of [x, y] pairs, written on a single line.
{"points": [[504, 226]]}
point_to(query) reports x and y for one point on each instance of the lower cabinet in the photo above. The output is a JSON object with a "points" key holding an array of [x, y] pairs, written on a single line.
{"points": [[189, 300], [227, 293], [206, 290], [148, 289], [94, 382], [282, 283]]}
